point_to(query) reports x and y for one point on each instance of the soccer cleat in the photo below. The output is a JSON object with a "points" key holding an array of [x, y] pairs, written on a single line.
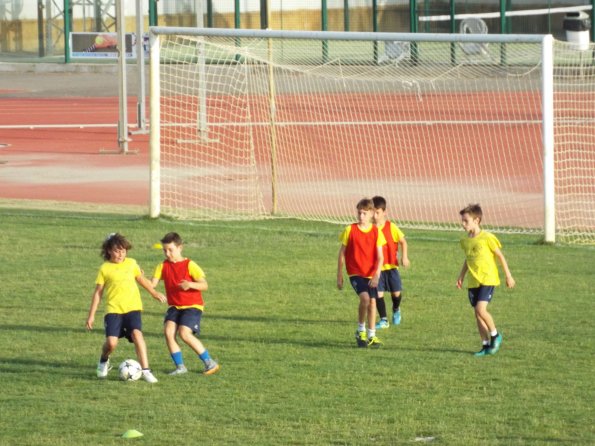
{"points": [[148, 376], [495, 345], [103, 368], [360, 338], [179, 371], [397, 317], [484, 351], [374, 342], [382, 323], [211, 368]]}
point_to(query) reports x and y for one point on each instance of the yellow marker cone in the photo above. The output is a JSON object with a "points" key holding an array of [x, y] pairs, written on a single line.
{"points": [[132, 433], [157, 246]]}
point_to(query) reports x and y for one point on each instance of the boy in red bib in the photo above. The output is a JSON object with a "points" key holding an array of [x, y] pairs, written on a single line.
{"points": [[184, 283], [361, 252]]}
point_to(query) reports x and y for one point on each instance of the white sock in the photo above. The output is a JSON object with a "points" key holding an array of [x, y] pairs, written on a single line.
{"points": [[361, 327], [494, 333], [371, 332]]}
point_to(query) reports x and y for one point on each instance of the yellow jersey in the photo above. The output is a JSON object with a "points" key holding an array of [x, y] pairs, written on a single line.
{"points": [[481, 261], [120, 288]]}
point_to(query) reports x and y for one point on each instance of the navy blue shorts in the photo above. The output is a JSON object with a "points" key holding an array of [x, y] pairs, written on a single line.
{"points": [[122, 325], [481, 294], [362, 285], [390, 280], [188, 317]]}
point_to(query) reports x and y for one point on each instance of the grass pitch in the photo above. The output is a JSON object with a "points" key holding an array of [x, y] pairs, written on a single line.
{"points": [[283, 333]]}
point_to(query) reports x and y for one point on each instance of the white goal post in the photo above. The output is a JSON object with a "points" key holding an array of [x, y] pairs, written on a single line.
{"points": [[260, 123]]}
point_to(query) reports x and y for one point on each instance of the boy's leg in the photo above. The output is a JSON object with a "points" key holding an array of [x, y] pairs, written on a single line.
{"points": [[396, 298], [188, 330], [169, 330], [113, 327], [140, 347], [381, 309], [141, 353]]}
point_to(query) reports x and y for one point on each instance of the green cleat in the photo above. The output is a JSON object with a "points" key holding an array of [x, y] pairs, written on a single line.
{"points": [[382, 323], [495, 345], [360, 338], [374, 342], [483, 352]]}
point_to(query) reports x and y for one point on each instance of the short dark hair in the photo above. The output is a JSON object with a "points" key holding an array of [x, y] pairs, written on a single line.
{"points": [[379, 202], [172, 237], [365, 204], [474, 210], [114, 240]]}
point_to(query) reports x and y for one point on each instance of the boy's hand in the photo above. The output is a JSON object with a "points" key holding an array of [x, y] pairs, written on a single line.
{"points": [[89, 324], [459, 283], [405, 262], [160, 297], [510, 282], [185, 285], [340, 281]]}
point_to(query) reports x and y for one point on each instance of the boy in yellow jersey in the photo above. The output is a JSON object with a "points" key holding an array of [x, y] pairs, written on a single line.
{"points": [[184, 283], [118, 277], [481, 249], [361, 252], [390, 278]]}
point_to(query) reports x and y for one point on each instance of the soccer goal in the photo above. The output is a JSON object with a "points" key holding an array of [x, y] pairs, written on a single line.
{"points": [[257, 123]]}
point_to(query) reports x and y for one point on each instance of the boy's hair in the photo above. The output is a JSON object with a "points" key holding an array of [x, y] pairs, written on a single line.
{"points": [[379, 202], [114, 240], [366, 204], [172, 237], [474, 210]]}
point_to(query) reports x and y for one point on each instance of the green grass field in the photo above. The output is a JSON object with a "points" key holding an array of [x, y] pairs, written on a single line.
{"points": [[283, 333]]}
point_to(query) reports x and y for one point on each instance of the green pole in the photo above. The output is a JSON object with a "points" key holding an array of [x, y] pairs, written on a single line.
{"points": [[210, 13], [346, 15], [502, 30], [413, 29], [502, 16], [67, 26], [153, 13], [413, 16], [236, 14], [324, 24], [375, 27], [453, 30]]}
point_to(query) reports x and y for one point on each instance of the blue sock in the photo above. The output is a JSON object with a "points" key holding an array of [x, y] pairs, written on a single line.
{"points": [[205, 356], [177, 357]]}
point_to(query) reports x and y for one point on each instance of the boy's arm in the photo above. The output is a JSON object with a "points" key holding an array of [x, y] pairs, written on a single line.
{"points": [[510, 282], [340, 263], [144, 282], [462, 275], [94, 305], [379, 262], [200, 285], [404, 252]]}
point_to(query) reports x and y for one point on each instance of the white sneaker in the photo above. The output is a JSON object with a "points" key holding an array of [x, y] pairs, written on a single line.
{"points": [[148, 376], [179, 371], [211, 367], [103, 368]]}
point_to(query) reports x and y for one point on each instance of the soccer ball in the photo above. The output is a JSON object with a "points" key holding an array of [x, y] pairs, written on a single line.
{"points": [[130, 370]]}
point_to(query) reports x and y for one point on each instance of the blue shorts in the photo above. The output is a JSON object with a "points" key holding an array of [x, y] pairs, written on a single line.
{"points": [[188, 317], [482, 294], [390, 280], [362, 285], [122, 325]]}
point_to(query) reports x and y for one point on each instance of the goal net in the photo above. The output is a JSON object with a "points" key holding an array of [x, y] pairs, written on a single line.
{"points": [[254, 124]]}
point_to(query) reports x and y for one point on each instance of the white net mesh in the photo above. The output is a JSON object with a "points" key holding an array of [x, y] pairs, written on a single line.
{"points": [[305, 128]]}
